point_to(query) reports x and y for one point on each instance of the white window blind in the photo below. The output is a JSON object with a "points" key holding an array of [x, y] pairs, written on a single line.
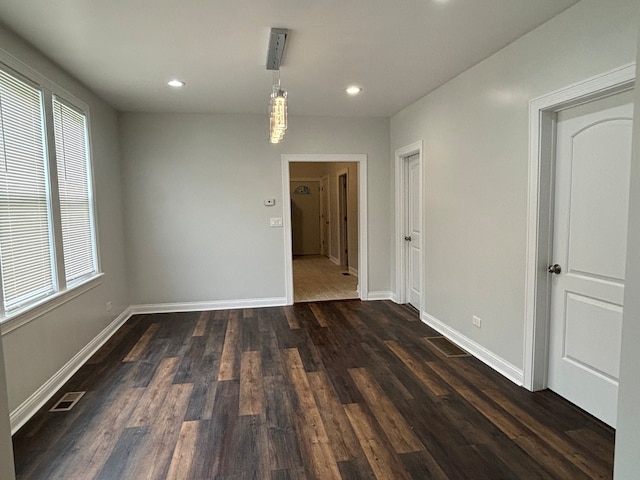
{"points": [[74, 187], [25, 229]]}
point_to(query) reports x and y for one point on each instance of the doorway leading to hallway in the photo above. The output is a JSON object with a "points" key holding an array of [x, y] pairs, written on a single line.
{"points": [[324, 227], [324, 230]]}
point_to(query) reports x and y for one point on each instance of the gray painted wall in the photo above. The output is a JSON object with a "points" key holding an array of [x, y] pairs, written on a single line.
{"points": [[476, 138], [6, 449], [627, 458], [37, 350], [197, 228]]}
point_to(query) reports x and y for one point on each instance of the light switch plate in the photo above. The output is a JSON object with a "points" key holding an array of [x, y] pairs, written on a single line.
{"points": [[275, 222]]}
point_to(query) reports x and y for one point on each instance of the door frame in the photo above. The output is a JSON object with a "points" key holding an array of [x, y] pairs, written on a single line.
{"points": [[363, 270], [343, 211], [539, 250], [401, 225], [325, 246]]}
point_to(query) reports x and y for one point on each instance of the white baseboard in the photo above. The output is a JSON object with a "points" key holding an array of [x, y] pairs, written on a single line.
{"points": [[496, 362], [212, 305], [31, 405], [334, 259], [380, 296], [353, 271]]}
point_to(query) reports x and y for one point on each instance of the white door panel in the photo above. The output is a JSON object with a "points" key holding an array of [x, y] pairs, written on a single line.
{"points": [[586, 318], [593, 155], [600, 199]]}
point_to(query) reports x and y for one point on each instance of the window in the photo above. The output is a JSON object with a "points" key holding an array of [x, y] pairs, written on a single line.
{"points": [[70, 129], [45, 195]]}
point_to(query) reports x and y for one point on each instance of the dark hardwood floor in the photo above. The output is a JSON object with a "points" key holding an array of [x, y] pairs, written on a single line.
{"points": [[343, 389]]}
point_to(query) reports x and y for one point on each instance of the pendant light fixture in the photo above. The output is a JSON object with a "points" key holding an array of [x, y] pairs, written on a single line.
{"points": [[278, 104]]}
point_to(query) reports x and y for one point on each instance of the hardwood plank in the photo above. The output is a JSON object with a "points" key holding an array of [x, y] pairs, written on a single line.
{"points": [[251, 389], [122, 457], [191, 363], [112, 344], [283, 446], [243, 452], [230, 358], [270, 359], [311, 428], [154, 396], [394, 425], [155, 452], [181, 464], [201, 326], [420, 370], [250, 334], [292, 320], [383, 461], [342, 438], [141, 345], [319, 315], [422, 465]]}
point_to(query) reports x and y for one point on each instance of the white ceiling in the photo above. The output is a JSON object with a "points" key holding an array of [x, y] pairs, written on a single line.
{"points": [[397, 50]]}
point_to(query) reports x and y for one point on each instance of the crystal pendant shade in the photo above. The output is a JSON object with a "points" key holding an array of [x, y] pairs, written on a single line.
{"points": [[277, 114]]}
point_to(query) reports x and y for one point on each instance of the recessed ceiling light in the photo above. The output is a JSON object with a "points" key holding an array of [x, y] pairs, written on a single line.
{"points": [[354, 90], [175, 83]]}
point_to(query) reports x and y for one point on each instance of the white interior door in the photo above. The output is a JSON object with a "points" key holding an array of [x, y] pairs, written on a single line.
{"points": [[305, 217], [593, 155], [414, 227]]}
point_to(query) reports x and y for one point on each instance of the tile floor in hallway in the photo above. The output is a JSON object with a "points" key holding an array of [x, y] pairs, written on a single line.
{"points": [[315, 278]]}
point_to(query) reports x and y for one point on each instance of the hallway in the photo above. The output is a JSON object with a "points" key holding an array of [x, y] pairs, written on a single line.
{"points": [[317, 278]]}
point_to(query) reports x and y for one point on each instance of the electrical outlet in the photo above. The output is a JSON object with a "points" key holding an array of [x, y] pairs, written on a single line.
{"points": [[477, 321], [108, 306]]}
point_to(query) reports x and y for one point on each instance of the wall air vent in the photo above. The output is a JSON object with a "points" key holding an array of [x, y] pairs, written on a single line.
{"points": [[448, 348]]}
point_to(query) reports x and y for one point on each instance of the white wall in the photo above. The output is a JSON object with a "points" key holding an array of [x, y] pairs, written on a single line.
{"points": [[197, 228], [475, 132], [627, 460], [36, 351]]}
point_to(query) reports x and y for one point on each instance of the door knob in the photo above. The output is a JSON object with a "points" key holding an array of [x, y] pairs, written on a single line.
{"points": [[408, 239], [555, 268]]}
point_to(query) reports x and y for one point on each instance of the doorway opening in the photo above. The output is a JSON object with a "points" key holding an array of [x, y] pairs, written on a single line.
{"points": [[325, 227]]}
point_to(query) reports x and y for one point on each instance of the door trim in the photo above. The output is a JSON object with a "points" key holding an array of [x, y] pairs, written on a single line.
{"points": [[343, 204], [542, 123], [361, 160], [401, 224], [325, 247]]}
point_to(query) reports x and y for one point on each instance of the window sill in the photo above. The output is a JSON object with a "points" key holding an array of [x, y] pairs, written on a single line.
{"points": [[25, 315]]}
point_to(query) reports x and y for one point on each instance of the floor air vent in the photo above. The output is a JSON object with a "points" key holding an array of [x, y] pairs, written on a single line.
{"points": [[67, 402], [446, 347]]}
